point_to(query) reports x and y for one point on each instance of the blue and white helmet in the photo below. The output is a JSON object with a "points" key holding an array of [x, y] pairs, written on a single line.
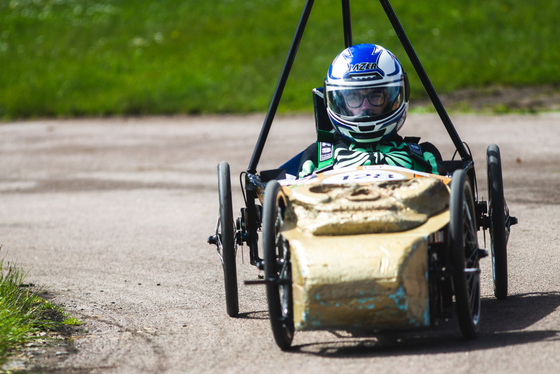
{"points": [[366, 93]]}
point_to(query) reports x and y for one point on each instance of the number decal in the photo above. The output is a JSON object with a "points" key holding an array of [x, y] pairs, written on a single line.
{"points": [[361, 176]]}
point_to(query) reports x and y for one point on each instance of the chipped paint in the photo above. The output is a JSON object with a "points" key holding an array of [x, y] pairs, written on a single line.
{"points": [[400, 299]]}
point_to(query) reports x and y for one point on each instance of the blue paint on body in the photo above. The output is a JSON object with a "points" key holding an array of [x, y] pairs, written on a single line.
{"points": [[400, 299]]}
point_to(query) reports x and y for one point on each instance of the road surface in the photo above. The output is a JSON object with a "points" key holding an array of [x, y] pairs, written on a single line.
{"points": [[112, 215]]}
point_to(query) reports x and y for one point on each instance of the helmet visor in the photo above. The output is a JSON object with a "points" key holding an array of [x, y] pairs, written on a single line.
{"points": [[365, 103]]}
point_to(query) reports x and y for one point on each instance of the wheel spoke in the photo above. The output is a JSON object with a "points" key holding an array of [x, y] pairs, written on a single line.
{"points": [[218, 241]]}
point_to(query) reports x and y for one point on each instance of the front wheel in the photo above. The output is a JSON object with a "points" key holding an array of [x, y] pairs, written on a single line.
{"points": [[464, 254], [497, 213], [277, 266], [226, 239]]}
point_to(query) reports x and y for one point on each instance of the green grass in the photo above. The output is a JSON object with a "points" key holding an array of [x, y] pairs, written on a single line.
{"points": [[23, 313], [115, 57]]}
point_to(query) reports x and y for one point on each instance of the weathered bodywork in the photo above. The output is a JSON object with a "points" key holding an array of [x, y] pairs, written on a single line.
{"points": [[359, 246]]}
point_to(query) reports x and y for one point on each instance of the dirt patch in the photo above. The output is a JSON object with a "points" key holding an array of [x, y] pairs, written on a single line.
{"points": [[530, 99], [47, 350]]}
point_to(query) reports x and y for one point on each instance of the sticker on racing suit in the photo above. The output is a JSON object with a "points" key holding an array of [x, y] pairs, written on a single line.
{"points": [[325, 151]]}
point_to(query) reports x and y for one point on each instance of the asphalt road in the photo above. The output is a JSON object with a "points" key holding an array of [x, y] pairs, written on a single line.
{"points": [[112, 215]]}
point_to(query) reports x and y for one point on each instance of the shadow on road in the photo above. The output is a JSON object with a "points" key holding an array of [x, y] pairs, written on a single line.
{"points": [[503, 323], [262, 314]]}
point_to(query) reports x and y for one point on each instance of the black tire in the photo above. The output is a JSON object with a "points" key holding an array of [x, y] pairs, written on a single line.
{"points": [[497, 214], [464, 254], [277, 267], [226, 239]]}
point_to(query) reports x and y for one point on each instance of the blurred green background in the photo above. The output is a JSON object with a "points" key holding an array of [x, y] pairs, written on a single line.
{"points": [[68, 58]]}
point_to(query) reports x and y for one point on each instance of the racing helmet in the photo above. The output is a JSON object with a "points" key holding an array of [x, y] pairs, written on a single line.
{"points": [[366, 93]]}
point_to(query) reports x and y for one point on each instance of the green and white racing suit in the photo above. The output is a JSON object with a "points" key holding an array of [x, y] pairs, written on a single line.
{"points": [[396, 151]]}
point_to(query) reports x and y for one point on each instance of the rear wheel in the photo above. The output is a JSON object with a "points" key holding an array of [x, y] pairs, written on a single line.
{"points": [[226, 239], [497, 213], [277, 266], [464, 254]]}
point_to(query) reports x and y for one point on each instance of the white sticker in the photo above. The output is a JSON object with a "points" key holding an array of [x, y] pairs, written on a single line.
{"points": [[363, 176]]}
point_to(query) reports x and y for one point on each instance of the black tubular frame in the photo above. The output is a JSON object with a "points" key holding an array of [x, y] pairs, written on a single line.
{"points": [[252, 169], [425, 81], [280, 87], [346, 23]]}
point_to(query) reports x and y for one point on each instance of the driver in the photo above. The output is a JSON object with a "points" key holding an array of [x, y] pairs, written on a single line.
{"points": [[366, 95]]}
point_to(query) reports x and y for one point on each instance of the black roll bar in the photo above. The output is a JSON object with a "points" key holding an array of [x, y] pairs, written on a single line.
{"points": [[346, 23], [425, 80], [280, 87]]}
